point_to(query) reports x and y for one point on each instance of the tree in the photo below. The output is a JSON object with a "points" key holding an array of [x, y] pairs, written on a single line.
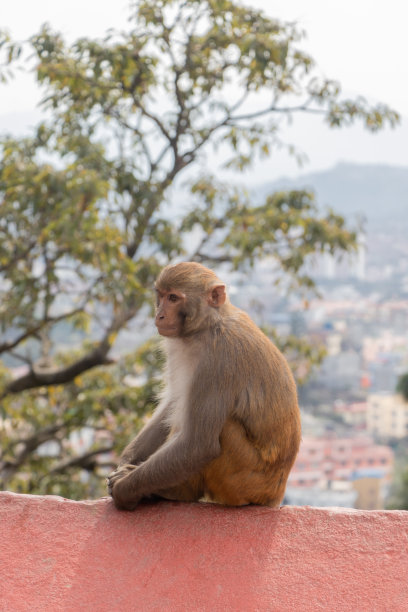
{"points": [[90, 212], [398, 496], [402, 386], [399, 492]]}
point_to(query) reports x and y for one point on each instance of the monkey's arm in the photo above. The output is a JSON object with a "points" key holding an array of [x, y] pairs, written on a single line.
{"points": [[148, 440], [180, 457]]}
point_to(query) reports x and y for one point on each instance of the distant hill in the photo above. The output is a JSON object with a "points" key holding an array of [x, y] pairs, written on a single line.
{"points": [[378, 192]]}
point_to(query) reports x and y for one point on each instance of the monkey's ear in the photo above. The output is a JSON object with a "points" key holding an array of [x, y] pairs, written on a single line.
{"points": [[217, 296]]}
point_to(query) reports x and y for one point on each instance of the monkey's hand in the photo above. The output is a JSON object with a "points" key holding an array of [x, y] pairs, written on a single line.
{"points": [[117, 474], [121, 489]]}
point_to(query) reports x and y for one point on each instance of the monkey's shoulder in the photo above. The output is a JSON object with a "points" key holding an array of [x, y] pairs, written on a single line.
{"points": [[238, 329]]}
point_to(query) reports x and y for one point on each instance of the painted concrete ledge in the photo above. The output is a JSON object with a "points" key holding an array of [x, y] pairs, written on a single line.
{"points": [[60, 555]]}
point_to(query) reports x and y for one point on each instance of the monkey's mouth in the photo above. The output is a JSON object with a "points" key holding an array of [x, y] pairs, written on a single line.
{"points": [[167, 330]]}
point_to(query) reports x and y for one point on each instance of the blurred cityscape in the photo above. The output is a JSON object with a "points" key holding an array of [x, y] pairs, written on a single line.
{"points": [[355, 425]]}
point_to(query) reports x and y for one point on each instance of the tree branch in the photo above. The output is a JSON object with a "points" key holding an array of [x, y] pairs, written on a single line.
{"points": [[153, 118], [9, 468], [86, 461], [96, 357], [202, 258], [277, 109], [8, 346], [17, 257]]}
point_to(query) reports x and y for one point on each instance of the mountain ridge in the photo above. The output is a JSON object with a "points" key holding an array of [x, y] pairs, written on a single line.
{"points": [[378, 192]]}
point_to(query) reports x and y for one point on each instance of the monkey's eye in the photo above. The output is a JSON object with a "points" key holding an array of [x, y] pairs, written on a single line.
{"points": [[173, 297]]}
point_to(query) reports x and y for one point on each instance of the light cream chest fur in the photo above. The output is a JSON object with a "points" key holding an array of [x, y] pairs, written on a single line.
{"points": [[181, 364]]}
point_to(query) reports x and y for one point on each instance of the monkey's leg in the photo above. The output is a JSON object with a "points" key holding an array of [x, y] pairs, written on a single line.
{"points": [[189, 491], [244, 474], [246, 487]]}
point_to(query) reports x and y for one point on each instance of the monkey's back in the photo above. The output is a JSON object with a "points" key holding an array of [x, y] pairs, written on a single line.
{"points": [[261, 437], [256, 366]]}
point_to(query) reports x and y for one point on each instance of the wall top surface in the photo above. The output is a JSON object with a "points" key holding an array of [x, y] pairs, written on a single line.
{"points": [[57, 554]]}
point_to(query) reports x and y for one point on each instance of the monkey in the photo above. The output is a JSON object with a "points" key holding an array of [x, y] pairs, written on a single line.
{"points": [[227, 428]]}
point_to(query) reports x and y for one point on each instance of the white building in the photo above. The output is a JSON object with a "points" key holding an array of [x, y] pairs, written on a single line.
{"points": [[387, 415]]}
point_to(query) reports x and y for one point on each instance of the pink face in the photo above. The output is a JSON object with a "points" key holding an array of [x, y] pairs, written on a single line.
{"points": [[168, 320]]}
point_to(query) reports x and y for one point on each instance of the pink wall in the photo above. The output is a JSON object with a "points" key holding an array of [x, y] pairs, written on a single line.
{"points": [[60, 555]]}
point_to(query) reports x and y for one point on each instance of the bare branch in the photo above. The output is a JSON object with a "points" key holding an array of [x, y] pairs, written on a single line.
{"points": [[276, 109], [202, 258], [24, 358], [30, 444], [96, 357], [153, 118], [87, 461], [33, 331], [161, 155]]}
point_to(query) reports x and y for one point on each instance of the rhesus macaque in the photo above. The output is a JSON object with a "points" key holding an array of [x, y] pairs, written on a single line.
{"points": [[227, 429]]}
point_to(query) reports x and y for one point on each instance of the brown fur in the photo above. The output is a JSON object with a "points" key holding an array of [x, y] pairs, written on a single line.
{"points": [[228, 427]]}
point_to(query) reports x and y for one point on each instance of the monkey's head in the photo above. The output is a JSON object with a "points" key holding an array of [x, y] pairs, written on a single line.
{"points": [[189, 296]]}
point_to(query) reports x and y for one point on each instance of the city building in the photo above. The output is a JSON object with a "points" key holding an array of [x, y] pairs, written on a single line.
{"points": [[353, 413], [369, 487], [334, 471], [387, 415]]}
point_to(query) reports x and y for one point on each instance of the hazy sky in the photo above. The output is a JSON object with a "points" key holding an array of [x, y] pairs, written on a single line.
{"points": [[362, 43]]}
